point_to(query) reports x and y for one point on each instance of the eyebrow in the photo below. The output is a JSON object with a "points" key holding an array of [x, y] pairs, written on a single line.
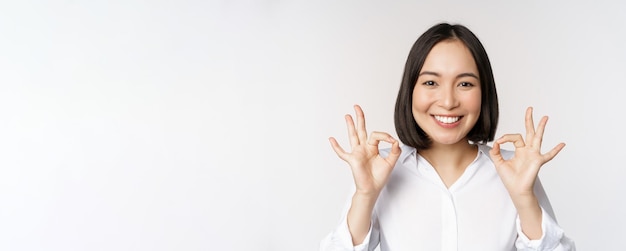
{"points": [[465, 74]]}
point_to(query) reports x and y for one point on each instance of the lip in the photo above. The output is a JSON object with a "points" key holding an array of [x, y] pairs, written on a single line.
{"points": [[447, 125]]}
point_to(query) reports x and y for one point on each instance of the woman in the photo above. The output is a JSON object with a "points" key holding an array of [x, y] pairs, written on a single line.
{"points": [[444, 188]]}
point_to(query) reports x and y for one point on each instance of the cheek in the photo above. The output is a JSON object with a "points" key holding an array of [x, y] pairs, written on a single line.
{"points": [[472, 104], [421, 101], [474, 101]]}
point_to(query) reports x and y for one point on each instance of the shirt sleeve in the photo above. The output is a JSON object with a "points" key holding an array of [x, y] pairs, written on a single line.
{"points": [[553, 237], [340, 238]]}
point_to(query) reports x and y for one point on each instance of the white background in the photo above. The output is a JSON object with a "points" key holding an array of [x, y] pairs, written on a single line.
{"points": [[193, 125]]}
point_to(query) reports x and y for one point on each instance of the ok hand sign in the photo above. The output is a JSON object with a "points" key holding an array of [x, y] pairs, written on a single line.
{"points": [[369, 169], [519, 173]]}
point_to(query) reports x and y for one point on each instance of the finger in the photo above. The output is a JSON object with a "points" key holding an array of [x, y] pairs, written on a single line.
{"points": [[337, 148], [516, 139], [536, 141], [376, 137], [360, 123], [530, 125], [496, 154], [354, 138], [395, 152], [552, 153]]}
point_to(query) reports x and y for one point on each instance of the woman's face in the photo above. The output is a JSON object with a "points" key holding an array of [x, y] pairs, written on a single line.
{"points": [[446, 98]]}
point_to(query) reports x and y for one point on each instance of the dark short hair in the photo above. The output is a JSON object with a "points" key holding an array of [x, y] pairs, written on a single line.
{"points": [[406, 127]]}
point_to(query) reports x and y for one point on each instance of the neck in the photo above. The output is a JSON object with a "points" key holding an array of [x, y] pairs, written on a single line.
{"points": [[450, 157]]}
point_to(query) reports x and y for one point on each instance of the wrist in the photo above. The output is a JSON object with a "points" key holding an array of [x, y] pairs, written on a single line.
{"points": [[522, 195], [525, 203], [366, 193], [364, 197]]}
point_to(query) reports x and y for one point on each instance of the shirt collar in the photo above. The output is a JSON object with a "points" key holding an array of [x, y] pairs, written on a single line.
{"points": [[409, 152]]}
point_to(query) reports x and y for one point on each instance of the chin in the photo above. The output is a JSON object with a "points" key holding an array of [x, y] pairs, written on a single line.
{"points": [[448, 141]]}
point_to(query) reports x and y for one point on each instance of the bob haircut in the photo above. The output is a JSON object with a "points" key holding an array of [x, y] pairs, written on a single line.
{"points": [[407, 128]]}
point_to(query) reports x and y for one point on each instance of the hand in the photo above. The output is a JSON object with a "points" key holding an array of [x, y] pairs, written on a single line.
{"points": [[370, 170], [519, 173]]}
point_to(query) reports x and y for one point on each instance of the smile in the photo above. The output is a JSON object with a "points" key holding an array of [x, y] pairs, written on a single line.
{"points": [[446, 119]]}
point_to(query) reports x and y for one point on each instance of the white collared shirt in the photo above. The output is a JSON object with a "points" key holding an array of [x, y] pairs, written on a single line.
{"points": [[416, 211]]}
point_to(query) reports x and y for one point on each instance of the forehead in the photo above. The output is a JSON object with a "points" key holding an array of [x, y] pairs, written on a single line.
{"points": [[450, 57]]}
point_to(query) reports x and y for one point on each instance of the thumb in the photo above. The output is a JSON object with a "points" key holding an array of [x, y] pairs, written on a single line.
{"points": [[496, 154], [395, 152]]}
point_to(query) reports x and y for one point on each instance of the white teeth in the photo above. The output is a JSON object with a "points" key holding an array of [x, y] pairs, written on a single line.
{"points": [[447, 120]]}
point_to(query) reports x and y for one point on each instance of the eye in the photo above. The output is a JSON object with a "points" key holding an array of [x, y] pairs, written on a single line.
{"points": [[429, 83], [466, 84]]}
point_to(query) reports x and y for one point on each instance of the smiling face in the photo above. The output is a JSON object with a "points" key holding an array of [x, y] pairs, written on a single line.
{"points": [[447, 95]]}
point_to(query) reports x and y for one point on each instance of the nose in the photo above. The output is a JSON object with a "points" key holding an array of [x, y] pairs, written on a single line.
{"points": [[449, 98]]}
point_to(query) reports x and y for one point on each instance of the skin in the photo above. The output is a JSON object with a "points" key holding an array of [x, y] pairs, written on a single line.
{"points": [[448, 85]]}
